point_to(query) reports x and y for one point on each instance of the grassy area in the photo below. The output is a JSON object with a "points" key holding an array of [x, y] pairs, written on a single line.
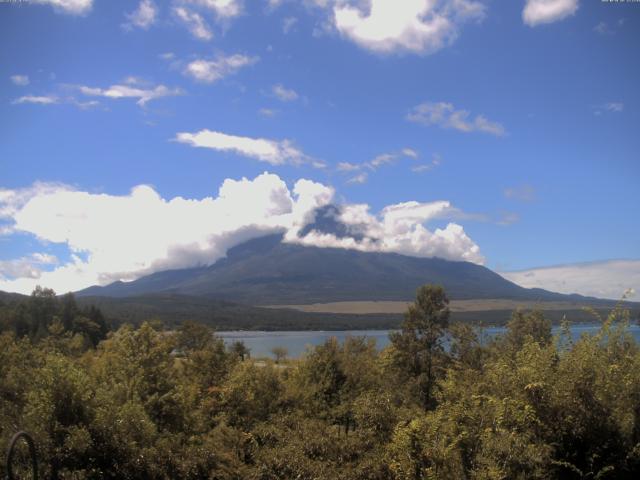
{"points": [[365, 307]]}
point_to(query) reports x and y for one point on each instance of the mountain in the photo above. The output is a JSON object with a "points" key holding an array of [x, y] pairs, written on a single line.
{"points": [[265, 271]]}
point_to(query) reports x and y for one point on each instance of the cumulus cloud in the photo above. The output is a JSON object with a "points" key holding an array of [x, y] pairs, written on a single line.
{"points": [[73, 7], [156, 234], [12, 200], [212, 70], [159, 234], [606, 279], [284, 94], [195, 23], [537, 12], [446, 115], [275, 152], [142, 17], [20, 80], [131, 88], [399, 228], [417, 26]]}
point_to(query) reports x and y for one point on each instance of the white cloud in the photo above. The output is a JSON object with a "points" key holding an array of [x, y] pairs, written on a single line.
{"points": [[375, 163], [359, 179], [268, 112], [410, 152], [159, 234], [131, 89], [418, 26], [20, 80], [11, 201], [284, 94], [604, 28], [382, 159], [26, 267], [73, 7], [606, 279], [288, 23], [446, 115], [347, 167], [192, 14], [89, 104], [144, 16], [223, 9], [55, 100], [508, 218], [436, 160], [275, 152], [400, 228], [37, 99], [210, 71], [537, 12], [273, 4], [609, 107], [194, 22], [614, 106], [524, 193], [318, 164]]}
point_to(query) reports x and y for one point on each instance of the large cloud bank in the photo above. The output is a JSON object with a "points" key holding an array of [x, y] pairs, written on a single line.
{"points": [[607, 279], [124, 237]]}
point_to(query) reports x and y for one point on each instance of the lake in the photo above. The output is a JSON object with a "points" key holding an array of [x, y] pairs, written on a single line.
{"points": [[296, 342]]}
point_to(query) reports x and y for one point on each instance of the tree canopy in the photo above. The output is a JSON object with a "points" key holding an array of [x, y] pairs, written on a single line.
{"points": [[437, 403]]}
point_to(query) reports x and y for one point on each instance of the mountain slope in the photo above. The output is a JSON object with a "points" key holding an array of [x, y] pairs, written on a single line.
{"points": [[266, 271]]}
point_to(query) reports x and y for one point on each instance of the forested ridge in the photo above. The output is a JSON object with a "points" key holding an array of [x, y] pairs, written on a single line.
{"points": [[145, 403]]}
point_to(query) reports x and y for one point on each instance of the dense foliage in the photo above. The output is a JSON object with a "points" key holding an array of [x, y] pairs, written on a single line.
{"points": [[139, 403]]}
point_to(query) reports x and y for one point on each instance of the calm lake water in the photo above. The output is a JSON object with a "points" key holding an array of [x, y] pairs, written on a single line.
{"points": [[296, 342]]}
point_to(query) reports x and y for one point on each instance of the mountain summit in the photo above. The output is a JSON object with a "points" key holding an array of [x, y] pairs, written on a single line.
{"points": [[266, 271]]}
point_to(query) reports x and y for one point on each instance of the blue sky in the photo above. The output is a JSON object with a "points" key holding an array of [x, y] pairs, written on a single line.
{"points": [[515, 122]]}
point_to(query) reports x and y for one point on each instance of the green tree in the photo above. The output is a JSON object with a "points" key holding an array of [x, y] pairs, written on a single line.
{"points": [[279, 353], [418, 344], [240, 350], [193, 336], [528, 324]]}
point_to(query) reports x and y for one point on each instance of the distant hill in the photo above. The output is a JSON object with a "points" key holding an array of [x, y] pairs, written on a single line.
{"points": [[265, 271]]}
